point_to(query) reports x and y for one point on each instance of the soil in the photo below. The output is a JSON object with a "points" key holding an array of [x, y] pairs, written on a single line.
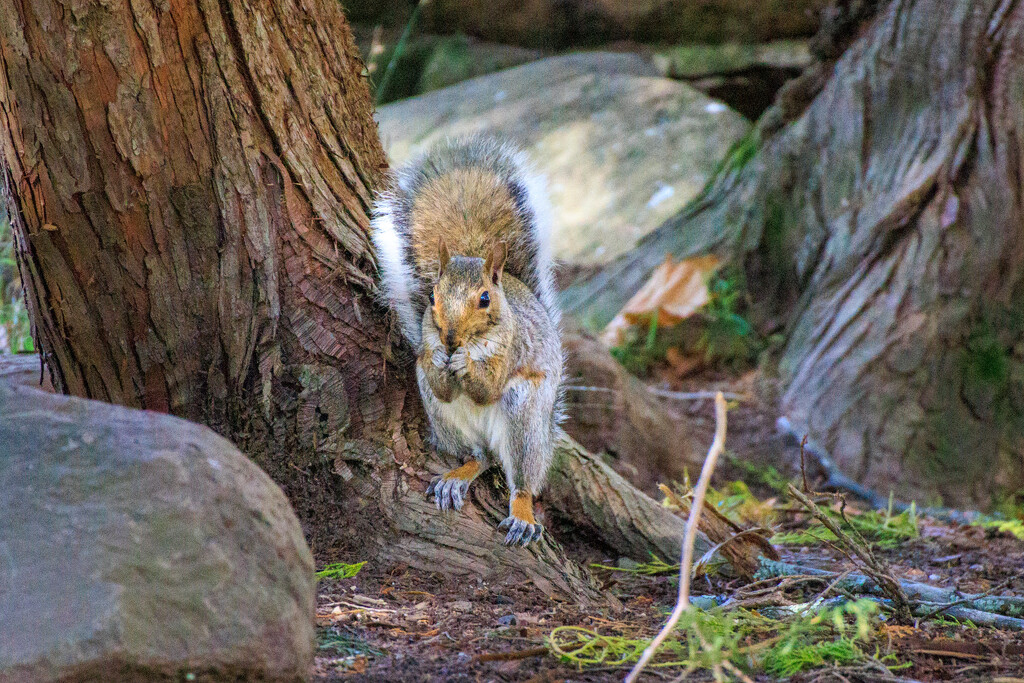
{"points": [[401, 624]]}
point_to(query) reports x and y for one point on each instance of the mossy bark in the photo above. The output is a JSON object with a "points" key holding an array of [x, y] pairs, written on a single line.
{"points": [[190, 183], [881, 231]]}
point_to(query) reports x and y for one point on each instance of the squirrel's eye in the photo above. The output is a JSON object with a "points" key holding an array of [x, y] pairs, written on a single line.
{"points": [[431, 297], [485, 300]]}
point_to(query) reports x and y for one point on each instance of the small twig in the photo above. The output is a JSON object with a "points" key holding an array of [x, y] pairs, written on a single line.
{"points": [[663, 393], [511, 656], [834, 586], [803, 464], [872, 567], [683, 603]]}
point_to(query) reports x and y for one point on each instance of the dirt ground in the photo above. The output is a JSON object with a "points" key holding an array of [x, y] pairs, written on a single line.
{"points": [[397, 624]]}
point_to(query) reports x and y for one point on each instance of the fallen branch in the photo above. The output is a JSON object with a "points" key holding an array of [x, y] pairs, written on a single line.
{"points": [[683, 603], [916, 593]]}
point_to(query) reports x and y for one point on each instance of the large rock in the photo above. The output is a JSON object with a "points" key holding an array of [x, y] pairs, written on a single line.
{"points": [[623, 149], [700, 61], [137, 546]]}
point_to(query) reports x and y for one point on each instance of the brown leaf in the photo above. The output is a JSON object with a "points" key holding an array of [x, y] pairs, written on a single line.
{"points": [[674, 292]]}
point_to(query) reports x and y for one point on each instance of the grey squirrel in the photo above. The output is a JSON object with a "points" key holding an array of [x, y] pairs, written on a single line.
{"points": [[462, 241]]}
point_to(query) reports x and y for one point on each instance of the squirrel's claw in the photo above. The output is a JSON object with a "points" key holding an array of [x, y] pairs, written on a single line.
{"points": [[449, 494], [520, 532]]}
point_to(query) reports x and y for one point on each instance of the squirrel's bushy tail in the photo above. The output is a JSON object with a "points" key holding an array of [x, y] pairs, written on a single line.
{"points": [[406, 275]]}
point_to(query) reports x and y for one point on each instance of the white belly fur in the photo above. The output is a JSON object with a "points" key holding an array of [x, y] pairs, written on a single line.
{"points": [[484, 425]]}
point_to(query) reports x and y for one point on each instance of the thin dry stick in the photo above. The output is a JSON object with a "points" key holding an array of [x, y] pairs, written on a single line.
{"points": [[683, 603], [852, 549]]}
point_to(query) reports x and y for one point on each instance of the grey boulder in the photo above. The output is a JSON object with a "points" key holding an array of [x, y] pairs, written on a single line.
{"points": [[622, 148], [138, 546]]}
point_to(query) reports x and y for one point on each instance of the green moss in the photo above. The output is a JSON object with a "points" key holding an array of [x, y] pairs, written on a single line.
{"points": [[695, 61], [340, 570], [880, 528], [804, 640], [783, 663]]}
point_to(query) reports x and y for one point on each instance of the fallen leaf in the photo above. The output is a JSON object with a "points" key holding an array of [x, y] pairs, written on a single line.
{"points": [[674, 292]]}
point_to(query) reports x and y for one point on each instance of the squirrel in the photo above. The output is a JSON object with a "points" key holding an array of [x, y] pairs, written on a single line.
{"points": [[462, 240]]}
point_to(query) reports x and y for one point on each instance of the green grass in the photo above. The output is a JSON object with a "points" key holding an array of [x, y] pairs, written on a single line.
{"points": [[807, 639], [332, 642], [1005, 526], [340, 570], [880, 528]]}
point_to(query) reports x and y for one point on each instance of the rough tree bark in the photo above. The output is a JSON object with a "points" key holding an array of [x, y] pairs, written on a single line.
{"points": [[190, 182], [881, 230]]}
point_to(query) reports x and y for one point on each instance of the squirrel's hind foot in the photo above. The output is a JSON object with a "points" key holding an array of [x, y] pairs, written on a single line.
{"points": [[523, 529], [450, 489], [521, 532]]}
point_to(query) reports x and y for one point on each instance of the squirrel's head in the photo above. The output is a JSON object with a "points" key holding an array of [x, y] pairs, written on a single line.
{"points": [[468, 297]]}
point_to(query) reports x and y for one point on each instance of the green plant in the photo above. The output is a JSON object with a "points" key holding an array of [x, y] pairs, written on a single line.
{"points": [[881, 528], [381, 91], [15, 335], [765, 475], [1005, 526], [641, 348], [784, 663], [812, 636], [727, 336], [340, 570]]}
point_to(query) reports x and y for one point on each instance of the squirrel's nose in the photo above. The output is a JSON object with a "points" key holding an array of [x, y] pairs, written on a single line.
{"points": [[449, 341]]}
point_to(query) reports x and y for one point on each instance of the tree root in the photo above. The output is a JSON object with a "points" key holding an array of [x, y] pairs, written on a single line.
{"points": [[836, 480], [582, 490], [599, 501]]}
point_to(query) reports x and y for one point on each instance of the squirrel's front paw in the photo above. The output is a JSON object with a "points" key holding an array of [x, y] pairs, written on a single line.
{"points": [[458, 365], [450, 489], [523, 529], [439, 358]]}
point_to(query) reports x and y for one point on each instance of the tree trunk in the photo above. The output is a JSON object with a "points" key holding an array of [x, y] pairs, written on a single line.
{"points": [[881, 228], [190, 183]]}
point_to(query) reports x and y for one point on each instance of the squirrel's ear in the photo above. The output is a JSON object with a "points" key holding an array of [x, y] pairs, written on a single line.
{"points": [[495, 262], [442, 257]]}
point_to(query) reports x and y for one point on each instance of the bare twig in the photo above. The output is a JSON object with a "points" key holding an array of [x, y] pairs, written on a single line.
{"points": [[683, 603], [872, 566], [803, 463], [511, 656], [663, 393]]}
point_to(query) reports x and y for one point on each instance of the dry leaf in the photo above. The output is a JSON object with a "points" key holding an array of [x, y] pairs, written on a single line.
{"points": [[675, 292]]}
